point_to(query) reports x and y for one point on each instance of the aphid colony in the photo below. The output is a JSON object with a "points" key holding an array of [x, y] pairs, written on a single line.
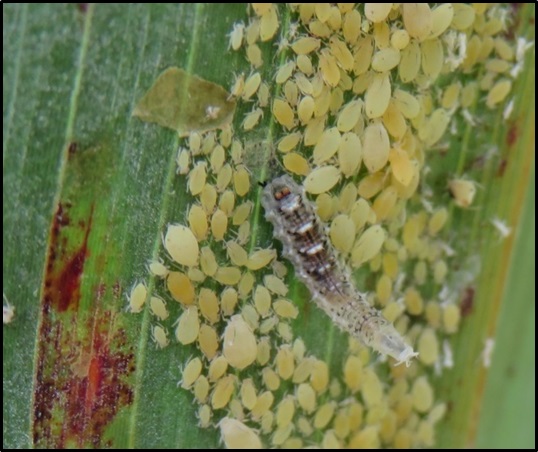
{"points": [[353, 93]]}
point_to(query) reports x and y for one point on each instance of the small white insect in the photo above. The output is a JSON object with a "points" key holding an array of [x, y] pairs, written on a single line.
{"points": [[502, 228], [8, 310], [307, 246], [487, 353]]}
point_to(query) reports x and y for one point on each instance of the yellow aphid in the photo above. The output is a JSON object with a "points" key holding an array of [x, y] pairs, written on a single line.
{"points": [[217, 368], [269, 24], [201, 389], [181, 244], [347, 198], [237, 435], [283, 113], [183, 161], [343, 55], [270, 378], [137, 298], [327, 145], [217, 158], [406, 103], [442, 17], [243, 233], [241, 181], [223, 392], [432, 58], [304, 426], [377, 12], [418, 20], [306, 397], [350, 154], [385, 59], [180, 287], [463, 192], [325, 206], [371, 388], [285, 309], [251, 85], [160, 336], [158, 308], [377, 97], [371, 185], [252, 119], [227, 202], [284, 361], [241, 213], [198, 222], [305, 45], [262, 9], [384, 289], [304, 64], [401, 165], [237, 254], [323, 11], [322, 179], [209, 304], [208, 262], [498, 93], [195, 142], [264, 351], [384, 203], [275, 285], [403, 439], [246, 284], [296, 164], [367, 438], [363, 55], [291, 92], [157, 268], [228, 276], [428, 347], [225, 137], [263, 404], [285, 412], [208, 143], [422, 394], [262, 300], [239, 347], [498, 66], [351, 27], [261, 258], [284, 72], [188, 326], [390, 264], [319, 376], [224, 177], [451, 318], [263, 95], [197, 178], [313, 131], [248, 394], [433, 314], [266, 422], [319, 29], [349, 116], [434, 128], [337, 98], [342, 233], [191, 372], [208, 340], [413, 301], [219, 224], [503, 49], [289, 142], [305, 109], [440, 271], [329, 68], [330, 441], [399, 39], [353, 373], [409, 62], [324, 414], [376, 147], [285, 332], [252, 32], [368, 245], [464, 16], [238, 86], [228, 301], [208, 198], [236, 36], [302, 370], [254, 55], [394, 121]]}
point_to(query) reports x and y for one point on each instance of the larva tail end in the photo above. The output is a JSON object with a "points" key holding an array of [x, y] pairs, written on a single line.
{"points": [[390, 342], [406, 356]]}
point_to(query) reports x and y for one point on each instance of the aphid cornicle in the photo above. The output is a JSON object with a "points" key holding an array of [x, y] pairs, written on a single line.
{"points": [[307, 246]]}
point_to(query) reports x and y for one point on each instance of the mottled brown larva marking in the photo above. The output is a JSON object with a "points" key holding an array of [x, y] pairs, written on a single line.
{"points": [[307, 246]]}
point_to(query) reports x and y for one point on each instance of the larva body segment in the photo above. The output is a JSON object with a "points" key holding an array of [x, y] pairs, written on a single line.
{"points": [[307, 246]]}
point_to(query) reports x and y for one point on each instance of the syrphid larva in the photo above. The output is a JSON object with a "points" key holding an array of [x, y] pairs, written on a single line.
{"points": [[316, 263]]}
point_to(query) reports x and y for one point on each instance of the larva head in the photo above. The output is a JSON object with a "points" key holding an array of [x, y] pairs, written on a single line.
{"points": [[279, 191]]}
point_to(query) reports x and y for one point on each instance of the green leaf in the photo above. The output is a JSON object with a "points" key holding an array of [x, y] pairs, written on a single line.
{"points": [[88, 190]]}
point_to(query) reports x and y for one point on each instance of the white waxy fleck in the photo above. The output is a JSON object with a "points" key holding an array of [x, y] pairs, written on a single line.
{"points": [[158, 308], [188, 326], [322, 179], [181, 244], [376, 147], [137, 298], [240, 347]]}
